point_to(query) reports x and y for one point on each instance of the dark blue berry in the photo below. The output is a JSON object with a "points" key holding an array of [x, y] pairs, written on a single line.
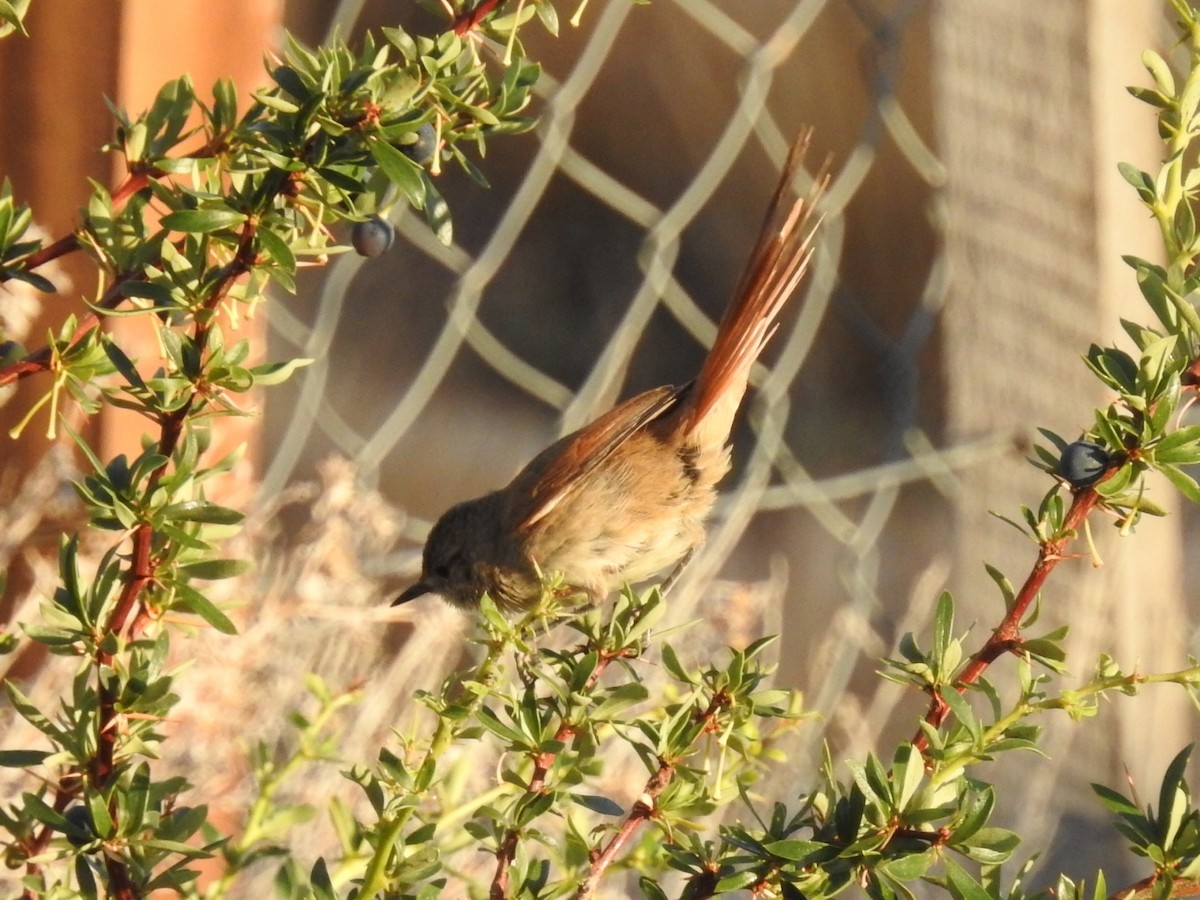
{"points": [[422, 150], [80, 830], [1083, 463], [10, 352], [372, 237]]}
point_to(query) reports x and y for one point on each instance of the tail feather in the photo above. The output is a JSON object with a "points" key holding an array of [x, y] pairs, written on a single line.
{"points": [[777, 264]]}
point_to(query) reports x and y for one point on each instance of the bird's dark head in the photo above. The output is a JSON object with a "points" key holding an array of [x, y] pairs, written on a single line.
{"points": [[462, 561]]}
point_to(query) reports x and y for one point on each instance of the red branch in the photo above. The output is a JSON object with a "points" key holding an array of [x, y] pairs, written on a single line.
{"points": [[133, 183], [42, 359], [142, 566], [64, 245], [1007, 636], [1145, 889], [69, 243], [542, 762], [643, 810], [142, 572], [469, 20], [646, 806]]}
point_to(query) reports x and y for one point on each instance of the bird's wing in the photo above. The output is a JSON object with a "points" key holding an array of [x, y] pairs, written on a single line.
{"points": [[559, 469]]}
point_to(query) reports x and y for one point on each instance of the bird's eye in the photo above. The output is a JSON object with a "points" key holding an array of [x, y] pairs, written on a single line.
{"points": [[442, 571]]}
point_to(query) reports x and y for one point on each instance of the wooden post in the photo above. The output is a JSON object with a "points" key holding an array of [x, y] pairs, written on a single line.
{"points": [[1033, 118]]}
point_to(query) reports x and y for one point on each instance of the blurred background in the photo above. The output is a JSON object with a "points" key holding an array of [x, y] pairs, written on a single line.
{"points": [[970, 254]]}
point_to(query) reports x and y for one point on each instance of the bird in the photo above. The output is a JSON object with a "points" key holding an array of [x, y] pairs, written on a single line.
{"points": [[625, 498]]}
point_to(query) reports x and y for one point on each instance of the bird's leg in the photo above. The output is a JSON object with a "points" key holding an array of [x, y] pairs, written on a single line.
{"points": [[677, 573]]}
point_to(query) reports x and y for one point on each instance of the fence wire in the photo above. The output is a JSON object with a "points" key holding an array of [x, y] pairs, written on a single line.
{"points": [[833, 511]]}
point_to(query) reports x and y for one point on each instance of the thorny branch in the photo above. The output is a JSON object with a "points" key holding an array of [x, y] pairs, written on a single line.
{"points": [[1007, 636], [542, 763]]}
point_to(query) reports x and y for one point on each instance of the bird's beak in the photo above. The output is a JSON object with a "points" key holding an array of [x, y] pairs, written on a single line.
{"points": [[420, 589]]}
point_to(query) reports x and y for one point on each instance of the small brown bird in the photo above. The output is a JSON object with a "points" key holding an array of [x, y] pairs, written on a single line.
{"points": [[625, 497]]}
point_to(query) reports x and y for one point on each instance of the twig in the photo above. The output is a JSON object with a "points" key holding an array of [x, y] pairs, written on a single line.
{"points": [[542, 762], [69, 243], [469, 20], [646, 806], [64, 245], [643, 810], [1007, 636], [1145, 889], [142, 570]]}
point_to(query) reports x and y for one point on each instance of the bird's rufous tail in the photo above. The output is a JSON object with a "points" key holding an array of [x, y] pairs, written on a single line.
{"points": [[778, 263]]}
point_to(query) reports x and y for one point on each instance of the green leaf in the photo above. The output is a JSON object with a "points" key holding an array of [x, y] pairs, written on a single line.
{"points": [[29, 712], [86, 878], [11, 14], [597, 804], [1006, 587], [1182, 304], [98, 809], [871, 780], [277, 373], [943, 625], [23, 759], [321, 883], [1159, 71], [909, 867], [975, 815], [1183, 482], [1048, 652], [1154, 365], [400, 170], [908, 771], [70, 595], [194, 601], [276, 248], [991, 846], [202, 221], [44, 812], [502, 730], [1115, 802], [33, 279], [548, 14], [1141, 181], [134, 802], [962, 711], [224, 103], [1152, 283], [962, 885], [275, 102], [1173, 798], [1116, 368], [437, 212], [202, 511], [796, 850], [1181, 447], [674, 666], [215, 569], [288, 79], [736, 881], [1118, 482]]}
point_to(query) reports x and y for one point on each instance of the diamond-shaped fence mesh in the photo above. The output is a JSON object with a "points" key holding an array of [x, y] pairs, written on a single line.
{"points": [[594, 267]]}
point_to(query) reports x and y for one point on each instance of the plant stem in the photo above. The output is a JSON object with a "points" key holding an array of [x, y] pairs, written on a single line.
{"points": [[1007, 636]]}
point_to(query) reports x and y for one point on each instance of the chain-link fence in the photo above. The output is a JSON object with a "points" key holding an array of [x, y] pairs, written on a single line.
{"points": [[596, 266]]}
